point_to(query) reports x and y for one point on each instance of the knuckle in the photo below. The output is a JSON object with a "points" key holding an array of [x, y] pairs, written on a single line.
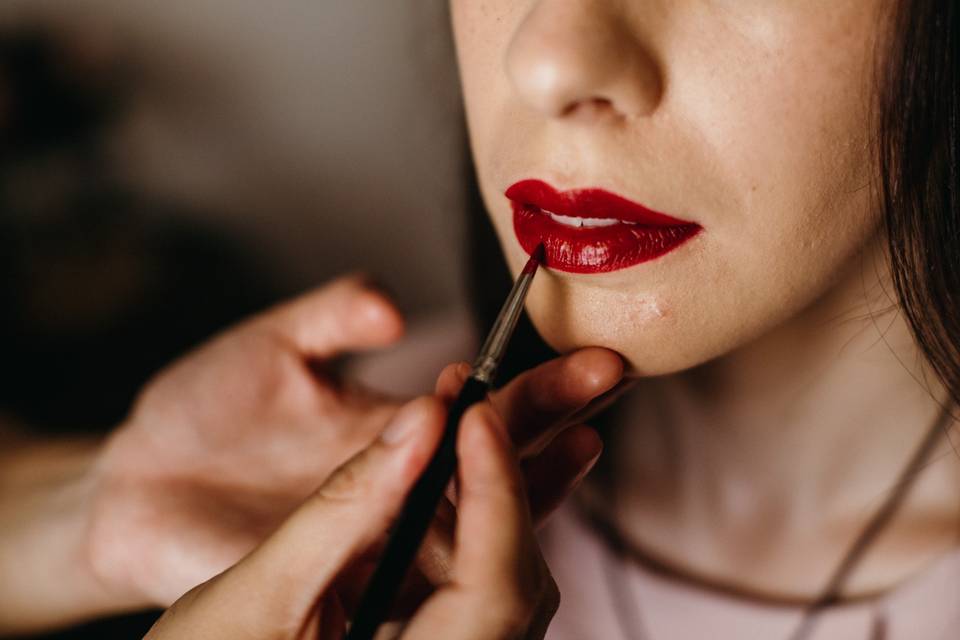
{"points": [[488, 414], [347, 483], [514, 618], [536, 590], [514, 608]]}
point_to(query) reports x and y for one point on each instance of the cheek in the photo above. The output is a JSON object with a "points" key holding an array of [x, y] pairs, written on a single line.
{"points": [[482, 32], [773, 154]]}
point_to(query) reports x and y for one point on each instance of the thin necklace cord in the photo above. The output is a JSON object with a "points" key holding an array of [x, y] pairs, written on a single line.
{"points": [[631, 620]]}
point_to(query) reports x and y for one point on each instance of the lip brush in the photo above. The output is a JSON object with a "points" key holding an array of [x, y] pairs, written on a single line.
{"points": [[421, 503]]}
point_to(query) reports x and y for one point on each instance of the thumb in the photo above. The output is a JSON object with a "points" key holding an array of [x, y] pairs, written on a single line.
{"points": [[349, 513]]}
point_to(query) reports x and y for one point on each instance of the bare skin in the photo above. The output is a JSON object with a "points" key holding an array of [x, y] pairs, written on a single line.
{"points": [[291, 586], [778, 395], [775, 457], [225, 443]]}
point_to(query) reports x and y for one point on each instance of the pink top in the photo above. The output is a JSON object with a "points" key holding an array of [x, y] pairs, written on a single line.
{"points": [[587, 571]]}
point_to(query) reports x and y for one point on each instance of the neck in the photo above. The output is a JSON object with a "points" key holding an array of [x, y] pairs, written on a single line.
{"points": [[776, 456]]}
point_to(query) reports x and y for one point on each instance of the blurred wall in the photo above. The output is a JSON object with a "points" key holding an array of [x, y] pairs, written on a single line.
{"points": [[328, 130]]}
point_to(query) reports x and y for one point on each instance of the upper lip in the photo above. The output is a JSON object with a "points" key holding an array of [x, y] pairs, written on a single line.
{"points": [[587, 203]]}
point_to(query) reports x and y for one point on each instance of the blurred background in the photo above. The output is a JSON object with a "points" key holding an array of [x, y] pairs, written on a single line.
{"points": [[167, 168]]}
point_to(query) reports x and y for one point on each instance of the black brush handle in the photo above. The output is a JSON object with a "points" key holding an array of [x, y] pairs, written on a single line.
{"points": [[414, 520]]}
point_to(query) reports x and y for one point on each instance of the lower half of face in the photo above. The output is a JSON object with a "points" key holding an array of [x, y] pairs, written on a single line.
{"points": [[709, 296], [699, 175]]}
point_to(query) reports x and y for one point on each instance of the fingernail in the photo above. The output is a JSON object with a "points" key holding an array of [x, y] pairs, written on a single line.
{"points": [[400, 427], [588, 465]]}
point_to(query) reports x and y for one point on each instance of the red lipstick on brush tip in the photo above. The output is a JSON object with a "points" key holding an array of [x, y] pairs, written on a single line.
{"points": [[537, 257], [591, 230]]}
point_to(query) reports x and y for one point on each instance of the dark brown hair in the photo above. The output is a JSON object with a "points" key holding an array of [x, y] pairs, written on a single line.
{"points": [[917, 149]]}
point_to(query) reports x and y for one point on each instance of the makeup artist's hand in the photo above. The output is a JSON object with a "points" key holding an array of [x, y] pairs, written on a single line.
{"points": [[288, 588], [223, 445], [543, 410]]}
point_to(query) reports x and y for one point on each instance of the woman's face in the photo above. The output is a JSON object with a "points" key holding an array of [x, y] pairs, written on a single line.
{"points": [[745, 121]]}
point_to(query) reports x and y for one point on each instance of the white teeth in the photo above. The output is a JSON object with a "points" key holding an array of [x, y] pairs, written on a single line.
{"points": [[572, 221], [600, 222]]}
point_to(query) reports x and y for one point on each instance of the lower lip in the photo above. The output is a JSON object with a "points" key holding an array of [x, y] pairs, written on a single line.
{"points": [[595, 249]]}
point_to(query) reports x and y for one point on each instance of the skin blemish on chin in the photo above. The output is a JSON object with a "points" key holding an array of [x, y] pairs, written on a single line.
{"points": [[629, 315], [647, 309], [638, 307]]}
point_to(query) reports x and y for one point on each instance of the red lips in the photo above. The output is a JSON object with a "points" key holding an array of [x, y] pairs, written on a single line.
{"points": [[598, 231]]}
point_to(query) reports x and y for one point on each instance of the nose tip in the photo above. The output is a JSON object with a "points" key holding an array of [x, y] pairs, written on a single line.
{"points": [[577, 68]]}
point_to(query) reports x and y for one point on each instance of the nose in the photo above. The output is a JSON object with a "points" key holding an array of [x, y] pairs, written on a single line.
{"points": [[579, 59]]}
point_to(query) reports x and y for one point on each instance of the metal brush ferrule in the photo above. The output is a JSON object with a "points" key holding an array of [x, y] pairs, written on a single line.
{"points": [[495, 346]]}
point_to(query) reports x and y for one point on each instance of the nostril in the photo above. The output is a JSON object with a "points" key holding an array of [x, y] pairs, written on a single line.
{"points": [[589, 108]]}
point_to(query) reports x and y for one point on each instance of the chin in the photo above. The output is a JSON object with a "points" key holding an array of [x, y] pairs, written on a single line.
{"points": [[644, 333]]}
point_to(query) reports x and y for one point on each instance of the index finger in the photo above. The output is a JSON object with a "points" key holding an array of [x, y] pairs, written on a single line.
{"points": [[349, 313], [499, 586], [538, 402], [494, 530]]}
